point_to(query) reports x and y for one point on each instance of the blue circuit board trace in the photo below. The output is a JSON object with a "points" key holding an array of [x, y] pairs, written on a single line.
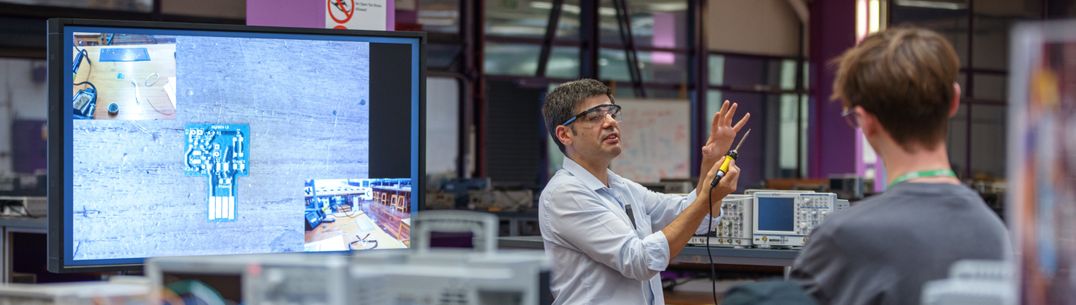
{"points": [[222, 153]]}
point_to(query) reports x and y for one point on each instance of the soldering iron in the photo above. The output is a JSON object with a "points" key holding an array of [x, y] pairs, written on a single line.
{"points": [[728, 159]]}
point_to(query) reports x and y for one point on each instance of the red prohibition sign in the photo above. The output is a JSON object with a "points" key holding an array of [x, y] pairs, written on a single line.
{"points": [[348, 10]]}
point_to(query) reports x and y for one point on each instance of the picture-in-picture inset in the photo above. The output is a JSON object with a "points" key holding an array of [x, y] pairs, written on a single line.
{"points": [[357, 214], [123, 77]]}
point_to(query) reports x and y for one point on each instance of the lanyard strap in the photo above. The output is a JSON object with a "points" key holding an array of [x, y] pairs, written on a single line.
{"points": [[923, 174]]}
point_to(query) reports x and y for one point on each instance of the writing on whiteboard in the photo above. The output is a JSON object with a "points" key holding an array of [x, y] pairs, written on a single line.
{"points": [[655, 138]]}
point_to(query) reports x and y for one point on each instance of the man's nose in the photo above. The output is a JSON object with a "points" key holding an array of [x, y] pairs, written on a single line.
{"points": [[610, 122]]}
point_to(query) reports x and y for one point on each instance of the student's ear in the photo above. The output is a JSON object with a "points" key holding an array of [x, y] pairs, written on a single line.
{"points": [[564, 135], [954, 105], [868, 123]]}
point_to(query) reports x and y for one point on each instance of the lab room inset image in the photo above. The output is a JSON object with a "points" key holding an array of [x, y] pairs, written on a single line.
{"points": [[357, 214], [123, 76]]}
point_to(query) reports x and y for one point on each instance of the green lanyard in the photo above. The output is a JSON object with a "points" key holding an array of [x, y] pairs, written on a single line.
{"points": [[923, 174]]}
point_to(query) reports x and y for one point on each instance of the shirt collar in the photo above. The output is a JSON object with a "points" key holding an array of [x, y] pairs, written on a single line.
{"points": [[589, 180]]}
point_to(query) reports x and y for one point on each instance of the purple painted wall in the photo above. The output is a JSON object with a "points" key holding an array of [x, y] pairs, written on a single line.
{"points": [[286, 13], [390, 20], [831, 146], [300, 14]]}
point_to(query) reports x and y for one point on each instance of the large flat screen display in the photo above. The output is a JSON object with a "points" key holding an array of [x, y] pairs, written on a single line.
{"points": [[183, 139]]}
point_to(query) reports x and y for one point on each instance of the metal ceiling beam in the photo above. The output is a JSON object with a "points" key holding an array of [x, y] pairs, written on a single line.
{"points": [[550, 34], [623, 22], [589, 39]]}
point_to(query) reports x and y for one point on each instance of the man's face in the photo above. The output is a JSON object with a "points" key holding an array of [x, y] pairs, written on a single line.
{"points": [[597, 134]]}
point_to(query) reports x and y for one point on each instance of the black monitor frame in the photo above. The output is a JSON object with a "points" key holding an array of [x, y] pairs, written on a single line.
{"points": [[58, 106]]}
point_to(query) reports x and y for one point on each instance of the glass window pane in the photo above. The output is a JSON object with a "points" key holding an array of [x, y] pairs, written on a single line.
{"points": [[993, 21], [962, 79], [988, 141], [805, 102], [744, 71], [626, 90], [781, 129], [654, 23], [563, 63], [442, 56], [790, 131], [658, 67], [442, 129], [990, 43], [714, 98], [511, 59], [522, 60], [528, 19], [439, 16], [717, 70], [991, 87], [948, 18], [759, 73], [788, 74]]}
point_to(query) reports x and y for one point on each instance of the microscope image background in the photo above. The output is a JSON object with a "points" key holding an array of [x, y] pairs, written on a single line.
{"points": [[303, 105]]}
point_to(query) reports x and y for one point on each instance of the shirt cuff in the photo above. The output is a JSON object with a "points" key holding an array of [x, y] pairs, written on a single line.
{"points": [[691, 197], [657, 249]]}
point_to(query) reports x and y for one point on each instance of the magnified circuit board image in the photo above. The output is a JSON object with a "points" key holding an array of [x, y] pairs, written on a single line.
{"points": [[222, 153], [188, 185]]}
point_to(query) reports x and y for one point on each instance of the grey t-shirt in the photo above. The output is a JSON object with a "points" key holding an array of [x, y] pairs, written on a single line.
{"points": [[883, 249]]}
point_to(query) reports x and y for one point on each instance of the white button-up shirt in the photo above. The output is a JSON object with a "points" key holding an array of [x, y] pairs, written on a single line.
{"points": [[597, 256]]}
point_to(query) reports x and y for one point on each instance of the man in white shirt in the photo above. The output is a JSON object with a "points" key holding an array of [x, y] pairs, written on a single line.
{"points": [[609, 237]]}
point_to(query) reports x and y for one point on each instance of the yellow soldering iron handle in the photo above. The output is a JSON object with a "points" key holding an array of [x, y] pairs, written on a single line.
{"points": [[725, 164], [723, 169]]}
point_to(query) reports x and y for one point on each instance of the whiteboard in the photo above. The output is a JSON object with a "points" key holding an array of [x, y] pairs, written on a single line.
{"points": [[655, 135], [442, 125]]}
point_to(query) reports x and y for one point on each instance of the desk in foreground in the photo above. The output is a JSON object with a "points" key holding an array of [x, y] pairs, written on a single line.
{"points": [[734, 256], [690, 254]]}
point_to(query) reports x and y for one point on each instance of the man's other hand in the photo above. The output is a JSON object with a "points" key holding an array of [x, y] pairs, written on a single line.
{"points": [[728, 183], [722, 132]]}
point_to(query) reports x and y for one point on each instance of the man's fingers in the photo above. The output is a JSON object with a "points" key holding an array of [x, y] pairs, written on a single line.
{"points": [[742, 122], [727, 120], [734, 171], [714, 123], [733, 177]]}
